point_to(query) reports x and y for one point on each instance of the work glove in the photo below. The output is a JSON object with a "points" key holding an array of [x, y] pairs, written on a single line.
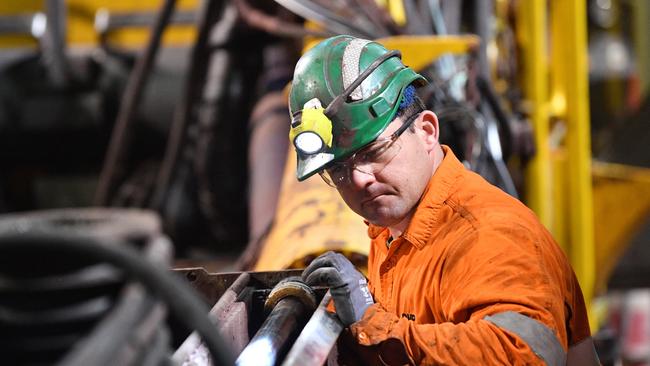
{"points": [[348, 286]]}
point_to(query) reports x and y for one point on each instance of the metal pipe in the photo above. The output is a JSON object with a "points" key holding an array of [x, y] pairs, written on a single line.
{"points": [[271, 340], [483, 16], [327, 18], [290, 301], [121, 136], [18, 24], [53, 43], [446, 64], [274, 24]]}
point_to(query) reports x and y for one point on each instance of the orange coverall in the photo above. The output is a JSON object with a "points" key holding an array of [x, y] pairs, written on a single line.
{"points": [[471, 257]]}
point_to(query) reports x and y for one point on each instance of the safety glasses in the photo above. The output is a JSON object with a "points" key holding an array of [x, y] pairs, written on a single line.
{"points": [[371, 159]]}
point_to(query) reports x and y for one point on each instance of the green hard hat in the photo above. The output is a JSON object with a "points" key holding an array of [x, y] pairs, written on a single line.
{"points": [[345, 92]]}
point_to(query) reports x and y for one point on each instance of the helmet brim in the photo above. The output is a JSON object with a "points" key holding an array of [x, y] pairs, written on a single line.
{"points": [[312, 164]]}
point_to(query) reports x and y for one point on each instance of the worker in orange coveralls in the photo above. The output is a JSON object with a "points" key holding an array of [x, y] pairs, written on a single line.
{"points": [[459, 272]]}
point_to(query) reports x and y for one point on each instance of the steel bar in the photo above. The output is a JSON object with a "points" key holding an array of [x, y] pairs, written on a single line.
{"points": [[121, 137], [53, 43], [21, 23], [317, 337]]}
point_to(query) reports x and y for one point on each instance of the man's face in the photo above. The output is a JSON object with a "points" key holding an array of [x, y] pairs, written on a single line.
{"points": [[387, 196]]}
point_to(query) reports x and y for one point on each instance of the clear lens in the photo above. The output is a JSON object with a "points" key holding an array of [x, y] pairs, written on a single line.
{"points": [[374, 158], [371, 160]]}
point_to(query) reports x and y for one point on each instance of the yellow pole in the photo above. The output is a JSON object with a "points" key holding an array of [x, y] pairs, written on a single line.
{"points": [[569, 37], [533, 24]]}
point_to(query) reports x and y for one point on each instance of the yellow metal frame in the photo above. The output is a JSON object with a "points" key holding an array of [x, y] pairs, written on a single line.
{"points": [[569, 60], [420, 51], [532, 39], [559, 177]]}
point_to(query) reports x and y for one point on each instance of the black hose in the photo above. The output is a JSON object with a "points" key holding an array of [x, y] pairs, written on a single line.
{"points": [[177, 295], [490, 95]]}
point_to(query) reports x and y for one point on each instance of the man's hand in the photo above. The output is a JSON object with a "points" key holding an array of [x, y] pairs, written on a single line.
{"points": [[348, 287]]}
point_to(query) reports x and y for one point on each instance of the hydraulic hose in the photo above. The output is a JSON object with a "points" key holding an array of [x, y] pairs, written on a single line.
{"points": [[177, 295]]}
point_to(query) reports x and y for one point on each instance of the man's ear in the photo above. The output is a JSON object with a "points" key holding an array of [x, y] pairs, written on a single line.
{"points": [[428, 123]]}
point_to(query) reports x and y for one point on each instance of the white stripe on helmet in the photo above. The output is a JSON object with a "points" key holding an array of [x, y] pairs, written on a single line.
{"points": [[350, 66]]}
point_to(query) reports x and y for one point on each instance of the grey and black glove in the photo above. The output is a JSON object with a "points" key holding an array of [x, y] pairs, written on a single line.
{"points": [[348, 286]]}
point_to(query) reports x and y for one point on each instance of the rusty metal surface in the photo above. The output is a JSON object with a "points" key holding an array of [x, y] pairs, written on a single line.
{"points": [[291, 287], [213, 285], [232, 324], [240, 299], [232, 320]]}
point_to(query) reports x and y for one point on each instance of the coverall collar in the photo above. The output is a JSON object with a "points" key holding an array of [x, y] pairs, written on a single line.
{"points": [[426, 217]]}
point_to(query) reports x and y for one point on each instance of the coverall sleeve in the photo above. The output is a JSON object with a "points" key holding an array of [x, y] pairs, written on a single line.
{"points": [[489, 274]]}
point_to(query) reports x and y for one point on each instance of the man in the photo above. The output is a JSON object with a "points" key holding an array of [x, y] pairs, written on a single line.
{"points": [[460, 273]]}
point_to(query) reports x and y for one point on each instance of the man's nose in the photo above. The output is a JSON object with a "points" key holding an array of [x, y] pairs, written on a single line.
{"points": [[360, 177]]}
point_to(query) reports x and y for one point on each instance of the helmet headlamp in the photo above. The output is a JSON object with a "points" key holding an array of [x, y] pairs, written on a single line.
{"points": [[308, 143], [311, 130]]}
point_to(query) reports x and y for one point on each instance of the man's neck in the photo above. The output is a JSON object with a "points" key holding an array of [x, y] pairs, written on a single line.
{"points": [[397, 229]]}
